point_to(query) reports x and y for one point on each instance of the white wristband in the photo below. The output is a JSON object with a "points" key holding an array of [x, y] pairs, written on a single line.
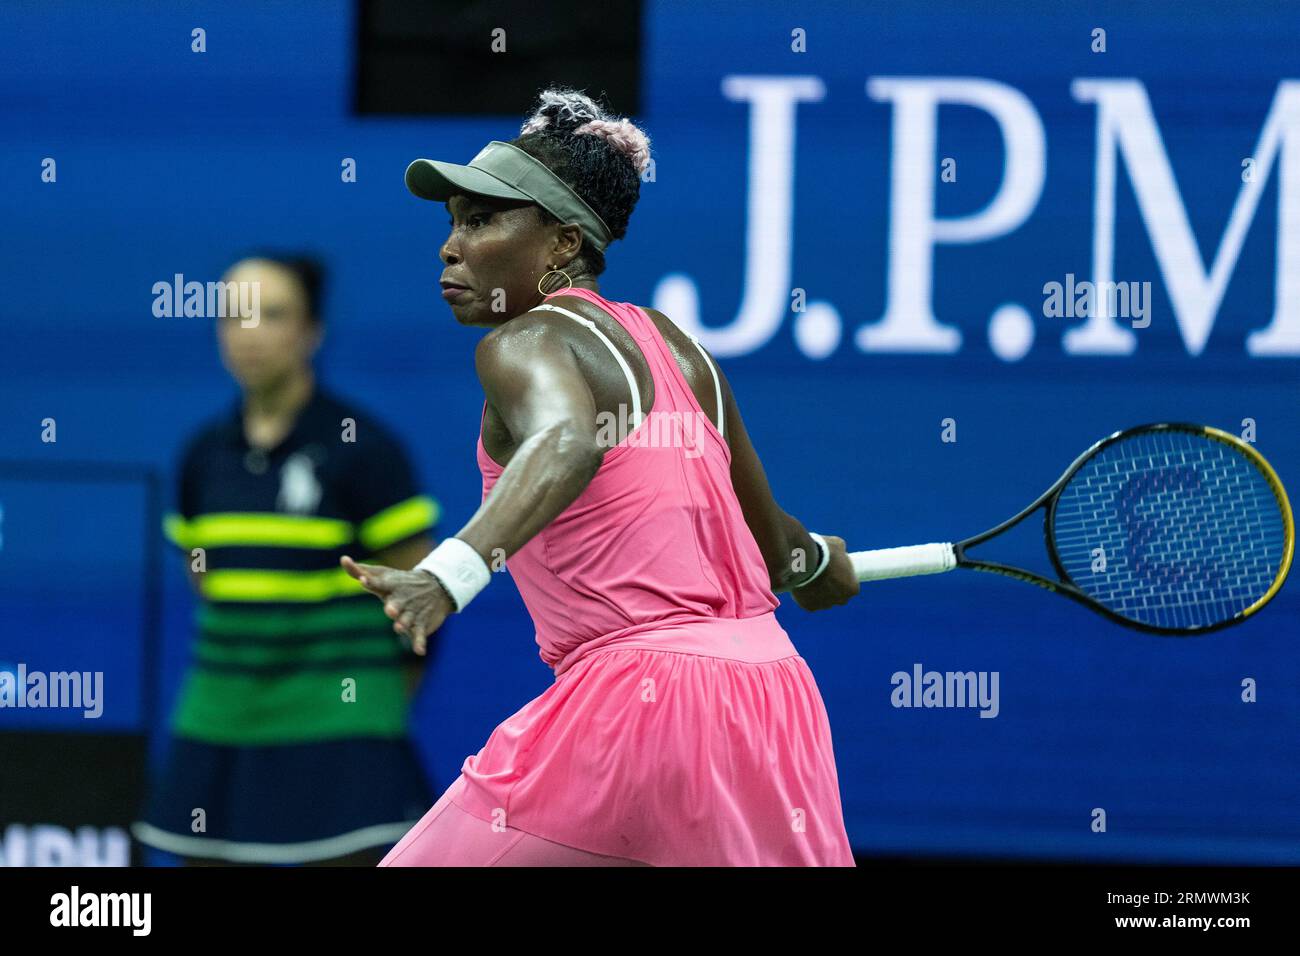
{"points": [[459, 569], [821, 565]]}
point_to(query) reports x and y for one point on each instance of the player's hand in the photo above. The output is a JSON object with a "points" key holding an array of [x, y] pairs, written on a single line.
{"points": [[833, 586], [414, 600]]}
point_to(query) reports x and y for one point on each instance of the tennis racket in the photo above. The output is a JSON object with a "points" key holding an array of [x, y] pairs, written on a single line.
{"points": [[1169, 528]]}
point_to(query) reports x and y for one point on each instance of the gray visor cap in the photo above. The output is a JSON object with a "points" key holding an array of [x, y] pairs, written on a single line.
{"points": [[507, 172], [439, 181]]}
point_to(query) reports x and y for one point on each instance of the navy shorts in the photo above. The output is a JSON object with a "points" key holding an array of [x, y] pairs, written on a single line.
{"points": [[290, 803]]}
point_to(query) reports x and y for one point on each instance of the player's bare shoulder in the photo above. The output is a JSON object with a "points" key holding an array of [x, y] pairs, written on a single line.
{"points": [[661, 321], [529, 332], [677, 340], [688, 357]]}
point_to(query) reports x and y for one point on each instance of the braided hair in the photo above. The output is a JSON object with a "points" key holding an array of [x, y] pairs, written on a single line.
{"points": [[600, 157]]}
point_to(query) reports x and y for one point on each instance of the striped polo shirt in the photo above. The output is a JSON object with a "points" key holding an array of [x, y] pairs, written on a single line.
{"points": [[289, 648]]}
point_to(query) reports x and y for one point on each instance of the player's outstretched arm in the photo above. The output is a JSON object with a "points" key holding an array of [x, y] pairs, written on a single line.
{"points": [[788, 550], [532, 380]]}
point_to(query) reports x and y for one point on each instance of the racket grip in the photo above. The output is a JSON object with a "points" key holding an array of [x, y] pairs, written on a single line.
{"points": [[903, 562]]}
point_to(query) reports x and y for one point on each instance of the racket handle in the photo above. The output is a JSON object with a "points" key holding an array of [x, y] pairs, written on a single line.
{"points": [[903, 562]]}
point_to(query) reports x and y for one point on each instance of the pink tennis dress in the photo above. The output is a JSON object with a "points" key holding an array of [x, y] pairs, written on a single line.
{"points": [[683, 728]]}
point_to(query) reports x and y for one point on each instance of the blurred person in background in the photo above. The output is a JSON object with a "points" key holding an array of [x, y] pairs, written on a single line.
{"points": [[289, 740]]}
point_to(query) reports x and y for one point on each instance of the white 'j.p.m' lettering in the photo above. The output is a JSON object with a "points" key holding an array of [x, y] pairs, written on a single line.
{"points": [[1126, 129]]}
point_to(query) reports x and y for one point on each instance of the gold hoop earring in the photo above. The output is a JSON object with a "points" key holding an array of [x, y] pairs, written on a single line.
{"points": [[543, 279]]}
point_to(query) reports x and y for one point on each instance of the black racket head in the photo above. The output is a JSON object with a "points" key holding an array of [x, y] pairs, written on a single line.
{"points": [[1171, 528]]}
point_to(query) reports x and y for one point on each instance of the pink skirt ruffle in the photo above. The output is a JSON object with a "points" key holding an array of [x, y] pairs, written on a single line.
{"points": [[704, 743]]}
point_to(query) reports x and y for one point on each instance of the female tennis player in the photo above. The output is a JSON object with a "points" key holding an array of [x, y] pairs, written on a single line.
{"points": [[683, 728]]}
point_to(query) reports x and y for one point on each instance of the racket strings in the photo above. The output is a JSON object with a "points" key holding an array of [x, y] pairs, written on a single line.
{"points": [[1170, 529]]}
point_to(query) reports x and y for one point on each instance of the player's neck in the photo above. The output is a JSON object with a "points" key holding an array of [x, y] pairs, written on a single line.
{"points": [[270, 412]]}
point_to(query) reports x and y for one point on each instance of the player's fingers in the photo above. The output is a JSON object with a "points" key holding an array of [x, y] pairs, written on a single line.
{"points": [[373, 577], [393, 610], [351, 567]]}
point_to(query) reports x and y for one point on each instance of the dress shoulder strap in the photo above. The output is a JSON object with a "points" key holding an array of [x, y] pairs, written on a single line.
{"points": [[618, 357], [717, 385]]}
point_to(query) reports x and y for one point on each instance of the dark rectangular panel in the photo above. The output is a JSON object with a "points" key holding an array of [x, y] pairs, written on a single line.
{"points": [[445, 58]]}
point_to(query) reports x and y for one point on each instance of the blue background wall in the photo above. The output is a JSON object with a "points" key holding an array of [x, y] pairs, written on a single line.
{"points": [[170, 161]]}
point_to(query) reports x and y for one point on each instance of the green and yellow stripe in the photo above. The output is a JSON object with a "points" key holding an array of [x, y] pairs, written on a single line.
{"points": [[259, 529], [286, 586], [397, 522]]}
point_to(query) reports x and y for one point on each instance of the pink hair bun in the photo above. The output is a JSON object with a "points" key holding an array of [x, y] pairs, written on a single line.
{"points": [[624, 136], [571, 110]]}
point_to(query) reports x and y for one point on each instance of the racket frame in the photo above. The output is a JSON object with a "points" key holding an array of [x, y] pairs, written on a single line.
{"points": [[1066, 585]]}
